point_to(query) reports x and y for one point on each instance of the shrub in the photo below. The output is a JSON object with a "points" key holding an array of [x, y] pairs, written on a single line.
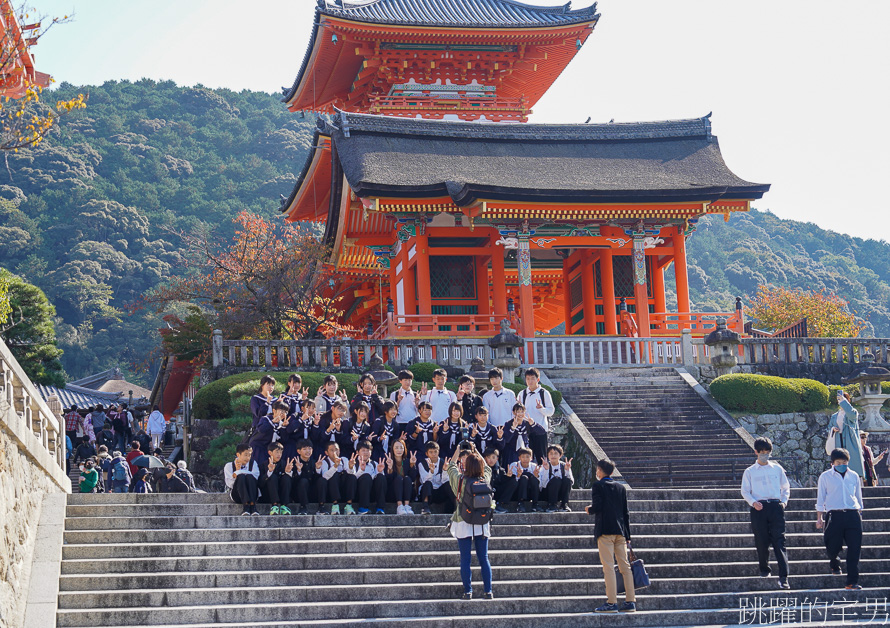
{"points": [[851, 389], [423, 371], [813, 395], [762, 394]]}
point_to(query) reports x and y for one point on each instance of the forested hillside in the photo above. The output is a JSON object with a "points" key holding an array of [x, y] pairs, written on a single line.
{"points": [[89, 216]]}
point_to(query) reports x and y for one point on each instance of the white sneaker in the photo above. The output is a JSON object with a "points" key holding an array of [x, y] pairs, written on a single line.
{"points": [[408, 510], [400, 510]]}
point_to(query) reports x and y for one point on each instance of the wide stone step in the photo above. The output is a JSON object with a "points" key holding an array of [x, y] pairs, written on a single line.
{"points": [[384, 609]]}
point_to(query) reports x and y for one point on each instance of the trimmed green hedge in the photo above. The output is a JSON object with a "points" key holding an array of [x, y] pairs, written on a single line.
{"points": [[765, 394]]}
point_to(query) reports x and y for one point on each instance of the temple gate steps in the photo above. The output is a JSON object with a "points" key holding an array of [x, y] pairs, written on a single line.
{"points": [[656, 428], [190, 561]]}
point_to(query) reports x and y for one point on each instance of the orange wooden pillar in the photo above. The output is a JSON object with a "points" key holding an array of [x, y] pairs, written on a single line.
{"points": [[526, 295], [422, 253], [483, 295], [607, 276], [588, 292], [498, 276], [641, 289], [410, 305], [567, 294], [658, 288], [680, 271]]}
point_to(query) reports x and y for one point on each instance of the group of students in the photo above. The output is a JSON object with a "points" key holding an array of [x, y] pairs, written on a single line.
{"points": [[363, 452]]}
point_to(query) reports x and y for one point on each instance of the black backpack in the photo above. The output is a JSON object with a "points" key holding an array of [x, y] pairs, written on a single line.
{"points": [[476, 502]]}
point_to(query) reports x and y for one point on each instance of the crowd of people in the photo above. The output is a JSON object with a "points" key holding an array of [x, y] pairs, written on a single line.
{"points": [[356, 454], [110, 445]]}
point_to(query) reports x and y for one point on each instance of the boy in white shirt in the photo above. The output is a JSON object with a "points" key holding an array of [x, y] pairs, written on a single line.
{"points": [[370, 480], [438, 397], [241, 477], [499, 401], [556, 480], [522, 482], [405, 398], [337, 480], [434, 485], [538, 404]]}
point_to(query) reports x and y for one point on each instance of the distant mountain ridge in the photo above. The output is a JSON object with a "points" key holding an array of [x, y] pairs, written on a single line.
{"points": [[89, 215]]}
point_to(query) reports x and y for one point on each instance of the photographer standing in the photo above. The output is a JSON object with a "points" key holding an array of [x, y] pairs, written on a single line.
{"points": [[466, 470]]}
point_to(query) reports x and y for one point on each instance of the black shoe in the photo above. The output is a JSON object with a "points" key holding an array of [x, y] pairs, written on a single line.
{"points": [[628, 607], [835, 571], [765, 574], [783, 584], [501, 510], [564, 507], [303, 511], [425, 510], [606, 608], [853, 587], [467, 596], [551, 508], [488, 596], [521, 507]]}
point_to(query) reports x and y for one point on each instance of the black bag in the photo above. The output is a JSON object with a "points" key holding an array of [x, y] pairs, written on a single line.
{"points": [[641, 578], [476, 502]]}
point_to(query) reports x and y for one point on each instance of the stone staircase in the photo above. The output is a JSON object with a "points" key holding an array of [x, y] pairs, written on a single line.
{"points": [[190, 560], [657, 430]]}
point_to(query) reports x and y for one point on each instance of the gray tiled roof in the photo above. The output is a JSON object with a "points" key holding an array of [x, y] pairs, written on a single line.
{"points": [[630, 162], [470, 13], [83, 398]]}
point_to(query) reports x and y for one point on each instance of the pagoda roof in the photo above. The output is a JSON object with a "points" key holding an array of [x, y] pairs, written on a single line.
{"points": [[638, 162], [456, 13]]}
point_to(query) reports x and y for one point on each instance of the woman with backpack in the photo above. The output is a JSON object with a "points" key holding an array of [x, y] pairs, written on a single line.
{"points": [[470, 479]]}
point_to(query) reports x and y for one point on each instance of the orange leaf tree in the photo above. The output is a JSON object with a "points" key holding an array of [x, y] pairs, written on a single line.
{"points": [[827, 314], [270, 281]]}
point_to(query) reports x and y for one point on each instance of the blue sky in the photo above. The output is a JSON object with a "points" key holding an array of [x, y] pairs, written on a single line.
{"points": [[799, 89]]}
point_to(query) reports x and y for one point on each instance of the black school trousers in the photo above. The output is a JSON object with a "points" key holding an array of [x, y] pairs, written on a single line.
{"points": [[768, 526], [844, 527]]}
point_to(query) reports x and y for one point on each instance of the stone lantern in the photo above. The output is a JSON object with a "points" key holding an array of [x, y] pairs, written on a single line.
{"points": [[506, 356], [479, 372], [723, 343], [381, 376], [870, 396]]}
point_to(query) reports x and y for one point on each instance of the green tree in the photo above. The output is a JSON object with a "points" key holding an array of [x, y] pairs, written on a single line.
{"points": [[30, 333], [5, 308]]}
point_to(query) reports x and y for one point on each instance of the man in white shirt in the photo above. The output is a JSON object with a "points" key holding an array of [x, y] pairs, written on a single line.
{"points": [[439, 397], [839, 511], [405, 398], [766, 489], [499, 401], [538, 404]]}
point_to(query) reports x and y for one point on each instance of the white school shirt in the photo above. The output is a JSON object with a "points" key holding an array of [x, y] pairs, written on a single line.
{"points": [[431, 475], [765, 481], [518, 470], [839, 492], [559, 471], [499, 405], [529, 398], [407, 406], [370, 469], [328, 469], [323, 403], [230, 474], [440, 400]]}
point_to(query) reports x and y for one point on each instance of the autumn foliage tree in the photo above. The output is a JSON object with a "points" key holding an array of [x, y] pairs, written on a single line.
{"points": [[827, 314], [268, 282]]}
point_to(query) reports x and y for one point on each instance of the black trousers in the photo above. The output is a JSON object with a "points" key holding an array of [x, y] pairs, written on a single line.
{"points": [[844, 527], [441, 495], [277, 488], [401, 488], [557, 490], [340, 488], [538, 444], [245, 490], [768, 526], [525, 487], [368, 488], [305, 490]]}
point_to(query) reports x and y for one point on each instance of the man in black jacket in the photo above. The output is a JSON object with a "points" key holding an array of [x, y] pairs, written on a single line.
{"points": [[612, 532]]}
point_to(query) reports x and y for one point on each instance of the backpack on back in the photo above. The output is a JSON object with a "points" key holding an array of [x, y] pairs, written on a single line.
{"points": [[120, 471], [476, 503]]}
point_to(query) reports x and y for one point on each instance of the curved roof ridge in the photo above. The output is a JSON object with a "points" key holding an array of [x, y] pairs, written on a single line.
{"points": [[456, 12]]}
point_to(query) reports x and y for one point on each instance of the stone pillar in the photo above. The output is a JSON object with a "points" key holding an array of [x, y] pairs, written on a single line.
{"points": [[607, 276], [686, 348], [526, 295], [217, 348], [641, 289]]}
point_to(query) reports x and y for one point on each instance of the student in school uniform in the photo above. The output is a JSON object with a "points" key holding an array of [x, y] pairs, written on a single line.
{"points": [[305, 476], [327, 395], [453, 430], [337, 480], [516, 434], [261, 403], [357, 430], [401, 469], [386, 430], [299, 427], [405, 398], [269, 430], [498, 478], [331, 427], [485, 435], [434, 486], [522, 482], [276, 480], [438, 396], [241, 477], [839, 511], [466, 396], [499, 401], [556, 480], [423, 429], [295, 395], [370, 481], [538, 404], [367, 393]]}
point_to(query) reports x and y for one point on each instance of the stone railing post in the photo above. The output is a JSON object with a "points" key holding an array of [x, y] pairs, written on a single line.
{"points": [[217, 348], [686, 348]]}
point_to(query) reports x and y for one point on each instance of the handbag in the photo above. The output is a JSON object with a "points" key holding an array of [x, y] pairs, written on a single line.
{"points": [[637, 568]]}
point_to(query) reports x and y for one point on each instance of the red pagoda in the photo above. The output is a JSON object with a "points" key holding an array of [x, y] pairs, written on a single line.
{"points": [[438, 196]]}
